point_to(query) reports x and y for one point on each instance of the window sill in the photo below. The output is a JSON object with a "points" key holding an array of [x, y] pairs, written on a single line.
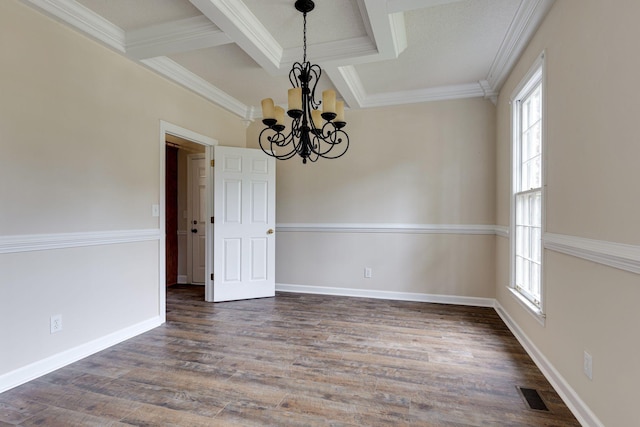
{"points": [[534, 311]]}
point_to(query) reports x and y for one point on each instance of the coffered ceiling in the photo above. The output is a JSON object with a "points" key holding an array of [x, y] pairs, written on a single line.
{"points": [[373, 52]]}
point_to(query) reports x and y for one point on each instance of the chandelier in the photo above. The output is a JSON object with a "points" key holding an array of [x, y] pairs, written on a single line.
{"points": [[313, 133]]}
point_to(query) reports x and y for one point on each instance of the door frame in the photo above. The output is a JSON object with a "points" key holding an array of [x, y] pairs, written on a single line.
{"points": [[167, 128]]}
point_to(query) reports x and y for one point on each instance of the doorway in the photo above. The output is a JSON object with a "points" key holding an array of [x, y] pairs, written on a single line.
{"points": [[185, 220], [174, 232]]}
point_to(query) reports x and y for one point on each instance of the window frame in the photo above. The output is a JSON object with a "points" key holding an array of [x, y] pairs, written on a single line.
{"points": [[534, 77]]}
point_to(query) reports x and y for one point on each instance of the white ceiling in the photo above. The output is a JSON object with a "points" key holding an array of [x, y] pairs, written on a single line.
{"points": [[373, 52]]}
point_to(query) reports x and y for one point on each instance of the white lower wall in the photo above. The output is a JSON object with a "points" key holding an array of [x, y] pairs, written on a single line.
{"points": [[98, 290], [460, 265]]}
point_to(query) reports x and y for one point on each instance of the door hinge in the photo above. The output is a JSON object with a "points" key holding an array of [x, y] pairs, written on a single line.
{"points": [[211, 276], [212, 220], [213, 163]]}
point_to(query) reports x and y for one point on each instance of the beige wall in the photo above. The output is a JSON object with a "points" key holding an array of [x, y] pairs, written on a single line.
{"points": [[428, 163], [79, 137], [592, 173]]}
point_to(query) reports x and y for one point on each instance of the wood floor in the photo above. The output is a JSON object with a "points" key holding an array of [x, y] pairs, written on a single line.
{"points": [[294, 360]]}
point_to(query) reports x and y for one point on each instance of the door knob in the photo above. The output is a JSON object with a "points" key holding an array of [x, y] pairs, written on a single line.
{"points": [[270, 231], [194, 230]]}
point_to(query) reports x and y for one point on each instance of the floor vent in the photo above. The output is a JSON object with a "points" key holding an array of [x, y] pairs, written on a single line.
{"points": [[533, 399]]}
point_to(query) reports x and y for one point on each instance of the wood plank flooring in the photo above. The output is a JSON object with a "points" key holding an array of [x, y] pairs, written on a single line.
{"points": [[298, 360]]}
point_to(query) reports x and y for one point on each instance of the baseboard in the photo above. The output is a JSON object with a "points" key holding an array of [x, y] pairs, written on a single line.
{"points": [[42, 367], [400, 296], [182, 279], [580, 410]]}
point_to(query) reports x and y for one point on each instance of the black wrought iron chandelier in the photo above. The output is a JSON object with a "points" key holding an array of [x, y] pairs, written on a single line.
{"points": [[313, 133]]}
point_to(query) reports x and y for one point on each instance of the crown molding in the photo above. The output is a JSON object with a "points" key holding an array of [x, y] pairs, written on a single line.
{"points": [[440, 93], [83, 19], [92, 24], [168, 38], [186, 78], [240, 24], [524, 25]]}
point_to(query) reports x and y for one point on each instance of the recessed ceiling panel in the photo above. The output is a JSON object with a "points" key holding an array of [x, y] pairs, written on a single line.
{"points": [[135, 14], [331, 20], [449, 44], [229, 68]]}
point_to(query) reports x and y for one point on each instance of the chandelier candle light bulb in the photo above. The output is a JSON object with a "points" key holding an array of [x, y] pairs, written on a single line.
{"points": [[279, 115], [268, 111], [317, 119], [295, 99], [314, 133], [329, 103]]}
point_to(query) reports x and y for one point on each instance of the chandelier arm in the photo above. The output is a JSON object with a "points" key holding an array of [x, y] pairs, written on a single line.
{"points": [[332, 139]]}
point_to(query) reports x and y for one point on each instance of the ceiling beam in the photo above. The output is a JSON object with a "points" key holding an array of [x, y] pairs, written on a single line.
{"points": [[394, 6], [168, 38], [240, 24]]}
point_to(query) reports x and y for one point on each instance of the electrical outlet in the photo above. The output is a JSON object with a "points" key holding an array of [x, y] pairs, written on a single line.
{"points": [[56, 323], [367, 272], [588, 365]]}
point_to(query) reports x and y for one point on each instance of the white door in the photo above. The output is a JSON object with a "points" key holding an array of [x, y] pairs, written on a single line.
{"points": [[197, 214], [244, 225]]}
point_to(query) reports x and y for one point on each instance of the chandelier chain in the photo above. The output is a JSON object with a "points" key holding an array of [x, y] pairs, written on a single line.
{"points": [[304, 37]]}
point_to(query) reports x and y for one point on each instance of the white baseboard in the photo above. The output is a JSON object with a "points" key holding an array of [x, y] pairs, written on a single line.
{"points": [[400, 296], [577, 406], [182, 279], [42, 367]]}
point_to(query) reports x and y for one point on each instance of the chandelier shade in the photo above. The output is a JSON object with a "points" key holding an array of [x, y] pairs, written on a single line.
{"points": [[314, 133]]}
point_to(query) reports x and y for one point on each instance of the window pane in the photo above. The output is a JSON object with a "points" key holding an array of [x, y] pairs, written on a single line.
{"points": [[536, 244], [525, 274], [535, 281], [519, 269], [536, 209], [519, 240]]}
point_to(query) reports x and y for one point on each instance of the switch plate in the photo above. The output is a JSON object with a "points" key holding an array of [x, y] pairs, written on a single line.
{"points": [[367, 272], [155, 210], [588, 365]]}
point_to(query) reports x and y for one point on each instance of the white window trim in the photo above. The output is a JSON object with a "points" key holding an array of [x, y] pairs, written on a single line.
{"points": [[535, 74]]}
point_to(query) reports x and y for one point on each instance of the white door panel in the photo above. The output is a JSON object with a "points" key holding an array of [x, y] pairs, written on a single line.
{"points": [[198, 217], [244, 211]]}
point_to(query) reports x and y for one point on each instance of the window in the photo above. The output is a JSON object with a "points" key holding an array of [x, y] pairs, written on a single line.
{"points": [[527, 202]]}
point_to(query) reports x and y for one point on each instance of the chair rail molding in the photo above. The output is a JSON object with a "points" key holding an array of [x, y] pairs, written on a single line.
{"points": [[41, 242], [387, 228], [617, 255]]}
